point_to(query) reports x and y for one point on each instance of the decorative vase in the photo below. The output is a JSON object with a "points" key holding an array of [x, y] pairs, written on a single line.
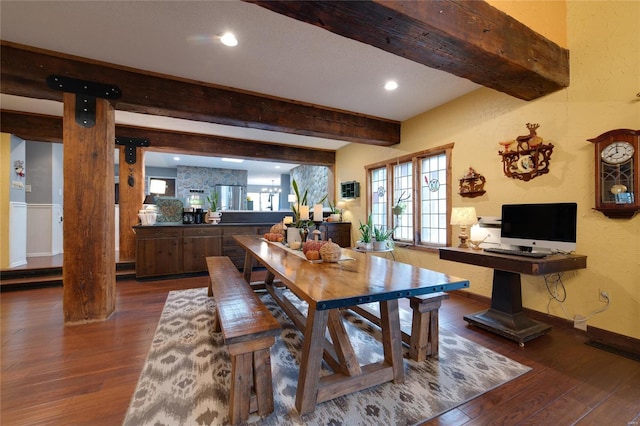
{"points": [[293, 234], [335, 217]]}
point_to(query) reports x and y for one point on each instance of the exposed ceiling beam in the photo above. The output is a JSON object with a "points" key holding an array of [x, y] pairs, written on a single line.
{"points": [[24, 71], [470, 39], [48, 128]]}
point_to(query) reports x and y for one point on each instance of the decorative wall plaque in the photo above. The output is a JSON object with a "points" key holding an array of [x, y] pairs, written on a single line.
{"points": [[472, 184], [530, 158]]}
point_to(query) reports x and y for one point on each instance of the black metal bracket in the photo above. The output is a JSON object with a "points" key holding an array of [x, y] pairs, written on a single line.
{"points": [[87, 92], [130, 145]]}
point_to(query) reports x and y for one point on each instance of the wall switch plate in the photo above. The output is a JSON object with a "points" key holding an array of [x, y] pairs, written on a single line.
{"points": [[27, 188]]}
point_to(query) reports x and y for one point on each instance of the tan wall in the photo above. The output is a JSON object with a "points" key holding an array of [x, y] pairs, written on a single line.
{"points": [[5, 184], [605, 67]]}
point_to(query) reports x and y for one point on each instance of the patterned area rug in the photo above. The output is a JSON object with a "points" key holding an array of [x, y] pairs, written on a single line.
{"points": [[186, 377]]}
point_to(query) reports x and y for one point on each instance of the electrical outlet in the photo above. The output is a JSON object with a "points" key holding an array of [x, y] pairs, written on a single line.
{"points": [[579, 322], [603, 295]]}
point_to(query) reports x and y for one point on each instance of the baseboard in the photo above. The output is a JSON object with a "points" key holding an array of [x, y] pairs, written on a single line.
{"points": [[615, 341], [604, 338]]}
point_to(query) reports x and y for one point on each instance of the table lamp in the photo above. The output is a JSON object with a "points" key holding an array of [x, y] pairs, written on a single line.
{"points": [[463, 216]]}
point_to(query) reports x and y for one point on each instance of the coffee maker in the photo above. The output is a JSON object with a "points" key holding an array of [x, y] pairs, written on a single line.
{"points": [[188, 216]]}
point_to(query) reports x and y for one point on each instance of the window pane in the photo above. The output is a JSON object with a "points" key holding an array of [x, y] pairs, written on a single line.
{"points": [[402, 189], [434, 202], [379, 196]]}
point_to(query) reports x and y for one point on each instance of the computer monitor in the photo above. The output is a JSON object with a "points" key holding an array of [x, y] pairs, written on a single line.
{"points": [[547, 227]]}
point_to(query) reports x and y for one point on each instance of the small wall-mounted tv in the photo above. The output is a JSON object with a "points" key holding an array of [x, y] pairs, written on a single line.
{"points": [[540, 227]]}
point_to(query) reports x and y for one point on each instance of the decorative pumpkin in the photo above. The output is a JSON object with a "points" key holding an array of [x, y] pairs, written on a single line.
{"points": [[312, 245], [278, 228], [270, 236], [330, 252], [313, 255]]}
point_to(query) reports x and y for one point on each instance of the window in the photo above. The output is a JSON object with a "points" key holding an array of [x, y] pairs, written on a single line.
{"points": [[412, 194]]}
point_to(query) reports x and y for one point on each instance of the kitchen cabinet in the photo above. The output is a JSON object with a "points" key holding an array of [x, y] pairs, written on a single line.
{"points": [[338, 232], [182, 249], [197, 244], [158, 251]]}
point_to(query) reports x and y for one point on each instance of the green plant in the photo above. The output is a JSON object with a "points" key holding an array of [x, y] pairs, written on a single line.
{"points": [[382, 233], [333, 208], [399, 206], [301, 201], [366, 230], [213, 200]]}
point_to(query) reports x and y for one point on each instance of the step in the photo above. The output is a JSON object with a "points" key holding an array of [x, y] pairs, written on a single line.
{"points": [[22, 279]]}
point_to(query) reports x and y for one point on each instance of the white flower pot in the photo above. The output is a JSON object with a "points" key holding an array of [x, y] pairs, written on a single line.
{"points": [[364, 246], [293, 234], [380, 245]]}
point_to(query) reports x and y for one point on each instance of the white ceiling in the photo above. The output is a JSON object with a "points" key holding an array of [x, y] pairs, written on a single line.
{"points": [[275, 56]]}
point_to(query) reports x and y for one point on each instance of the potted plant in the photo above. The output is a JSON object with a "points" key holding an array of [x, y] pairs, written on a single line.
{"points": [[213, 215], [366, 235], [298, 222], [336, 214], [382, 236], [399, 206]]}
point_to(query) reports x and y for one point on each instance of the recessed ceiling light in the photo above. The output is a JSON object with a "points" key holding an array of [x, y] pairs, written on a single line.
{"points": [[277, 167], [233, 160], [176, 158], [228, 39], [391, 85]]}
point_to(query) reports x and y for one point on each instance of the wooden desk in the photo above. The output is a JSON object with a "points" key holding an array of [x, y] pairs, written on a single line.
{"points": [[327, 287], [506, 317]]}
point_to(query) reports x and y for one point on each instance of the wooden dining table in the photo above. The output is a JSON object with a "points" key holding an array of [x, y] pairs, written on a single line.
{"points": [[327, 288]]}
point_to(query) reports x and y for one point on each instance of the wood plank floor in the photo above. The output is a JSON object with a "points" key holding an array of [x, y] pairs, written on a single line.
{"points": [[52, 374]]}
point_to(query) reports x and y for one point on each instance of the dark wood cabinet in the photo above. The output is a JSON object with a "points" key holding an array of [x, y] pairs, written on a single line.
{"points": [[158, 251], [230, 246], [197, 244], [338, 232], [174, 250]]}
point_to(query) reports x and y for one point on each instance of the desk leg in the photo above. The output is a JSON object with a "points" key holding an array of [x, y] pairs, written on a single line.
{"points": [[506, 317], [311, 360], [392, 338]]}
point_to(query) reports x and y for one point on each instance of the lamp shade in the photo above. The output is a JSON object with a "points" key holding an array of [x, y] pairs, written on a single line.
{"points": [[463, 216]]}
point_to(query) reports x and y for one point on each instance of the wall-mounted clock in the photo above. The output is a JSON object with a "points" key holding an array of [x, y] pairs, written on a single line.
{"points": [[617, 178]]}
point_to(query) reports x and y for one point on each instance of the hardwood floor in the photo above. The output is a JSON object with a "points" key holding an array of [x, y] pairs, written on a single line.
{"points": [[85, 374]]}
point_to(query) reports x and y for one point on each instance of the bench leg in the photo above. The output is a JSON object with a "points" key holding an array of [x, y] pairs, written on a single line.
{"points": [[262, 381], [240, 398], [251, 365], [424, 329], [420, 331]]}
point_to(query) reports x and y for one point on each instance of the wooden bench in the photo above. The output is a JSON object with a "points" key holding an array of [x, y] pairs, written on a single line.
{"points": [[423, 340], [249, 331]]}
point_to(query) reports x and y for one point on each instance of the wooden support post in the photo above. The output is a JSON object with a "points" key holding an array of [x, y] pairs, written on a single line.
{"points": [[89, 227], [131, 197]]}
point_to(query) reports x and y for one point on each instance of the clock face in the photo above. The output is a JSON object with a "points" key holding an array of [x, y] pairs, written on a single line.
{"points": [[617, 152]]}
